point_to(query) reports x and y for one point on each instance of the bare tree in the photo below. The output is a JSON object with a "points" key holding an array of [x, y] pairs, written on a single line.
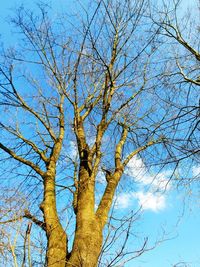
{"points": [[78, 106], [185, 34], [178, 35]]}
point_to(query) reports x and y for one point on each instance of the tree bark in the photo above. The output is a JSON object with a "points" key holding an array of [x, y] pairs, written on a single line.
{"points": [[87, 244], [56, 236], [88, 235]]}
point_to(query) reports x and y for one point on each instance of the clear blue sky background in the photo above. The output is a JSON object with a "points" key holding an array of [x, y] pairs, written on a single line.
{"points": [[185, 238]]}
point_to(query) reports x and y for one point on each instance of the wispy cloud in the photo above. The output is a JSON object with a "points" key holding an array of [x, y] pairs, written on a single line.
{"points": [[151, 187], [196, 171], [101, 177], [138, 171], [151, 201], [146, 200], [73, 150], [123, 200]]}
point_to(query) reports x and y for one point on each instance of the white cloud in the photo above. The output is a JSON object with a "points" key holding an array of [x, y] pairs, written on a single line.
{"points": [[73, 150], [136, 167], [149, 201], [123, 200], [100, 178], [146, 200], [138, 171], [196, 171], [91, 141], [160, 181], [155, 183]]}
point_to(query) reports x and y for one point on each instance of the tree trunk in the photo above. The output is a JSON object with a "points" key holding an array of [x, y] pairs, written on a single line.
{"points": [[87, 244], [88, 235], [56, 236], [56, 247]]}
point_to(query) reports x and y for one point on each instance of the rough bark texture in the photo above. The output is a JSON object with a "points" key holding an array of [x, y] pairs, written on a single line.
{"points": [[90, 224], [88, 234], [87, 244], [56, 236]]}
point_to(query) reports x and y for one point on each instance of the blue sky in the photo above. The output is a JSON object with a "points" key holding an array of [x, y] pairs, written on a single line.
{"points": [[183, 243]]}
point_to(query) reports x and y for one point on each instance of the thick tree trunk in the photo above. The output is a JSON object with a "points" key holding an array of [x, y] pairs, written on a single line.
{"points": [[87, 245], [88, 235], [56, 236], [56, 247]]}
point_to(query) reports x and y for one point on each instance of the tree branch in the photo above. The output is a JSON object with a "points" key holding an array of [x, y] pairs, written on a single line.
{"points": [[22, 160]]}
